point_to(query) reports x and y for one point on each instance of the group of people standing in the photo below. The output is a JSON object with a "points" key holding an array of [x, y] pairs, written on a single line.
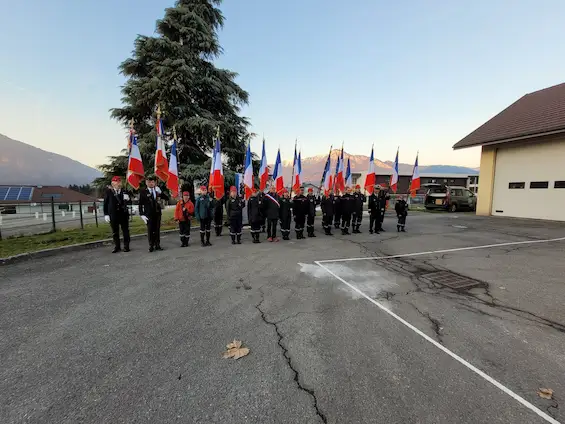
{"points": [[264, 212]]}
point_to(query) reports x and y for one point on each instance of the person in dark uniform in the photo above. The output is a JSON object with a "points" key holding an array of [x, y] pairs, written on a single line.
{"points": [[383, 199], [285, 214], [116, 213], [401, 209], [203, 211], [264, 219], [255, 216], [183, 215], [357, 216], [337, 210], [374, 211], [347, 206], [311, 212], [328, 207], [234, 210], [272, 213], [150, 212], [218, 213], [299, 209]]}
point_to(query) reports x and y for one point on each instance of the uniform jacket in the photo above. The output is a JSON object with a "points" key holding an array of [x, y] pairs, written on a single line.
{"points": [[299, 205], [219, 208], [203, 208], [271, 210], [359, 201], [401, 207], [234, 207], [337, 204], [254, 210], [347, 204], [149, 206], [383, 197], [285, 209], [184, 211], [328, 205], [373, 203], [114, 203], [312, 202]]}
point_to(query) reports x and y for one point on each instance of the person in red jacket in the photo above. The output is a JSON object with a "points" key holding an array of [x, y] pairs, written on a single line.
{"points": [[183, 215]]}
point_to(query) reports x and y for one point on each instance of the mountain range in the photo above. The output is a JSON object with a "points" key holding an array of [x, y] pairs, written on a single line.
{"points": [[23, 164], [313, 167]]}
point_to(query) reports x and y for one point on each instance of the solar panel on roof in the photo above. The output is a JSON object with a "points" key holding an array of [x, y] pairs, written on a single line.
{"points": [[3, 192], [16, 193], [13, 193], [25, 194]]}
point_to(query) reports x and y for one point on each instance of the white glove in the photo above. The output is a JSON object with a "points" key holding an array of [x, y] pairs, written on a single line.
{"points": [[107, 218], [126, 197], [157, 190], [144, 219]]}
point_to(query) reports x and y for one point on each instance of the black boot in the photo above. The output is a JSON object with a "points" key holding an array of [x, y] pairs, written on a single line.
{"points": [[343, 232], [371, 231], [312, 234], [182, 242], [232, 238], [208, 239], [398, 228], [117, 249], [297, 235], [239, 239], [358, 231], [202, 242], [126, 247], [403, 230]]}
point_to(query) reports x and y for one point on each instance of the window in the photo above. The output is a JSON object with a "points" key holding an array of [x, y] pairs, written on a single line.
{"points": [[457, 192], [516, 185], [559, 184], [469, 193], [539, 184]]}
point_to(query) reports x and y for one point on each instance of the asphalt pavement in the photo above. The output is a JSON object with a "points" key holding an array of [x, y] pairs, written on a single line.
{"points": [[93, 337]]}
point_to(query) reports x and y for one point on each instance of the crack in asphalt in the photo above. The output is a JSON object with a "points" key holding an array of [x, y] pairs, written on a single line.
{"points": [[436, 324], [287, 357]]}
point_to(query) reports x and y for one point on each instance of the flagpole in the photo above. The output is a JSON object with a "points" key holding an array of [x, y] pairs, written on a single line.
{"points": [[293, 163], [130, 142], [330, 168]]}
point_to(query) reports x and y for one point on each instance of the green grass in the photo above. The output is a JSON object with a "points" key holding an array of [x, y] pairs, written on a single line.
{"points": [[25, 244]]}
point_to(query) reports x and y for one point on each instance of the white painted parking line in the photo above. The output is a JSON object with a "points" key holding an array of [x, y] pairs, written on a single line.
{"points": [[432, 252], [470, 366]]}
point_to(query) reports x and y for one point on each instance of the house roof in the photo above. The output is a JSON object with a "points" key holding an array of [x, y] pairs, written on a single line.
{"points": [[533, 115], [18, 194]]}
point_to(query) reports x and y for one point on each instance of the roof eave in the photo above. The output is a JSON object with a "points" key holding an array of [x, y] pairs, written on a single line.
{"points": [[510, 140]]}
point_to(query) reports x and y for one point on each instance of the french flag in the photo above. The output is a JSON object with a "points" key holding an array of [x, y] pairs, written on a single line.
{"points": [[211, 178], [339, 178], [370, 179], [394, 177], [263, 170], [218, 173], [248, 173], [297, 171], [135, 172], [161, 165], [173, 179], [277, 174], [327, 177], [348, 182], [415, 183]]}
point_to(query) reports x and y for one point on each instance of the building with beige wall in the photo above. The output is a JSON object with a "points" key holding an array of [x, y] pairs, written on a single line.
{"points": [[522, 170]]}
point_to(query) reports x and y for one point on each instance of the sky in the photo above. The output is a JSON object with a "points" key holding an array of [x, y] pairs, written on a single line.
{"points": [[413, 74]]}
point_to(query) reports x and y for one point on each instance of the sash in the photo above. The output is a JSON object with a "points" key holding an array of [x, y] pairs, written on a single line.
{"points": [[273, 199]]}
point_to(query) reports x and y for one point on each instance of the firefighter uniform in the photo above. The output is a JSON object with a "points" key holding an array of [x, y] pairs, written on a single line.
{"points": [[204, 212], [357, 215], [401, 209], [311, 212], [117, 214], [219, 214], [272, 213], [255, 216], [234, 209], [374, 212], [383, 199], [328, 209], [347, 206], [299, 209], [337, 211], [285, 212], [183, 215]]}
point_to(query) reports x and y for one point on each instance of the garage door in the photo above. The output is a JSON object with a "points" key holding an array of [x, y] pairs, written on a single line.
{"points": [[529, 181]]}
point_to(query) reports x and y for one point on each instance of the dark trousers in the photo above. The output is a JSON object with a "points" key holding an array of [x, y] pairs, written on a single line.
{"points": [[184, 228], [357, 218], [205, 225], [285, 226], [218, 224], [299, 221], [236, 223], [374, 221], [272, 228], [117, 221], [337, 219], [154, 230], [401, 220], [255, 226], [327, 221], [310, 222], [345, 221]]}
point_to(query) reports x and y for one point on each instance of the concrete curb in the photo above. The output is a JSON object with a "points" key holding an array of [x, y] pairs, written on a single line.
{"points": [[22, 257]]}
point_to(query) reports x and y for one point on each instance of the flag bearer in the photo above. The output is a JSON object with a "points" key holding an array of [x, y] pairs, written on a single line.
{"points": [[374, 211], [234, 210], [218, 213], [183, 215], [150, 211], [347, 205], [337, 210], [383, 199], [299, 209], [359, 201], [116, 213], [285, 214], [311, 212], [255, 216], [272, 213], [203, 211], [328, 208], [401, 209]]}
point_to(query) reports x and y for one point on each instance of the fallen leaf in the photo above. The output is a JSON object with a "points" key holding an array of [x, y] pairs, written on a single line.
{"points": [[235, 344], [235, 350], [545, 393]]}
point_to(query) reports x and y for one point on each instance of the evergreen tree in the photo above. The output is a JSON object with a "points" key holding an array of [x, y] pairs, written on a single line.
{"points": [[175, 69]]}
